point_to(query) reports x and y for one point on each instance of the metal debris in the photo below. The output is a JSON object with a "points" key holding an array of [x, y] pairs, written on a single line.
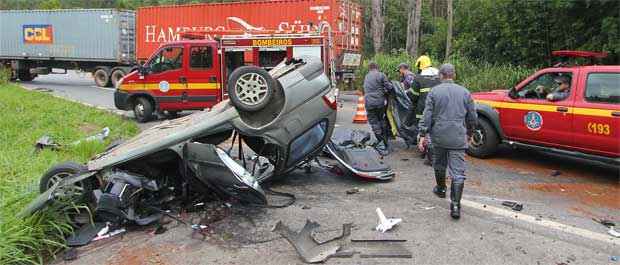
{"points": [[46, 142], [306, 246], [513, 205]]}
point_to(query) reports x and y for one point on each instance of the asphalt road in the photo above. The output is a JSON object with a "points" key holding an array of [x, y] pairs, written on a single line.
{"points": [[560, 197]]}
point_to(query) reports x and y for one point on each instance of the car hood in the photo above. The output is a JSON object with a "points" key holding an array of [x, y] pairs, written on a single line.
{"points": [[490, 95], [168, 133]]}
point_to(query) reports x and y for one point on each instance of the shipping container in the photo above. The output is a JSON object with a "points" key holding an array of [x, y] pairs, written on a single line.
{"points": [[71, 34], [160, 24], [35, 41]]}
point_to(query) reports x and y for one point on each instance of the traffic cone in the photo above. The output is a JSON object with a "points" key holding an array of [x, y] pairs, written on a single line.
{"points": [[360, 115]]}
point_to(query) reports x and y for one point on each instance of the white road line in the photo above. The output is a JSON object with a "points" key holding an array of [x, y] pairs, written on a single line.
{"points": [[106, 88], [546, 223]]}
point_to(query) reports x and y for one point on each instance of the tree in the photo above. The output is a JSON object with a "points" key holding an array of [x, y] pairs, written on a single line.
{"points": [[413, 27], [377, 25], [449, 34]]}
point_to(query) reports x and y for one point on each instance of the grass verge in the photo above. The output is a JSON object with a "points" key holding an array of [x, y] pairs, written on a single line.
{"points": [[26, 116]]}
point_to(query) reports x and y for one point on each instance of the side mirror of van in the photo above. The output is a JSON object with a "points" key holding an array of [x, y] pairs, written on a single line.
{"points": [[512, 93], [143, 70]]}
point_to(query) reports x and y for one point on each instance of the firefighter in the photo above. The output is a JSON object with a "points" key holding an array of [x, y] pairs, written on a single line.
{"points": [[376, 88], [450, 118], [425, 80]]}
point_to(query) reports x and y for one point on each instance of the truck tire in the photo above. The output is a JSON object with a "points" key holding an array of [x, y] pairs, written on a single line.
{"points": [[251, 88], [80, 190], [143, 109], [102, 77], [116, 76], [485, 140], [25, 75]]}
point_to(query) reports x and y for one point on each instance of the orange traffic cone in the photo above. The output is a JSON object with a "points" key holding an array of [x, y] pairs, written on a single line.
{"points": [[360, 115]]}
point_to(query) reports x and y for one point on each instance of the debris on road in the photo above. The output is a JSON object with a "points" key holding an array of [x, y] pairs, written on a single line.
{"points": [[513, 205], [70, 254], [614, 258], [85, 234], [555, 173], [352, 191], [311, 251], [385, 223], [605, 222], [613, 232], [105, 132]]}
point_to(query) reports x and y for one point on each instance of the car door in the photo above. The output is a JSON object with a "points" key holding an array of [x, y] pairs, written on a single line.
{"points": [[162, 79], [530, 117], [597, 113], [203, 76]]}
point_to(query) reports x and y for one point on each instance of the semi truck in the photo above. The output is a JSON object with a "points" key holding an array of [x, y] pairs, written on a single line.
{"points": [[111, 43]]}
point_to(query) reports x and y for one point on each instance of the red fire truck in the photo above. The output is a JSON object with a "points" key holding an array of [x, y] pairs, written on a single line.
{"points": [[191, 74]]}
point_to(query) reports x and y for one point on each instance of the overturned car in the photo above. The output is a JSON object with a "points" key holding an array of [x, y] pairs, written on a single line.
{"points": [[285, 117]]}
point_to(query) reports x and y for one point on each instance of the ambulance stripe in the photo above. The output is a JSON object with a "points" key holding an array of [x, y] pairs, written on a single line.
{"points": [[547, 108], [173, 86]]}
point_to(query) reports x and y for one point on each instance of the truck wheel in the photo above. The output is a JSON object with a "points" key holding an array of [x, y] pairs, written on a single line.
{"points": [[484, 141], [116, 76], [25, 75], [78, 191], [102, 78], [250, 88], [143, 109]]}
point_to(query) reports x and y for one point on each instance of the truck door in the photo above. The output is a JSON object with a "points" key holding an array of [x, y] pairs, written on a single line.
{"points": [[597, 113], [203, 76], [162, 80], [533, 118]]}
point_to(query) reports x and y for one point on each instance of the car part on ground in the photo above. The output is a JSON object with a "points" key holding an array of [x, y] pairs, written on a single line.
{"points": [[343, 246], [385, 223], [350, 148]]}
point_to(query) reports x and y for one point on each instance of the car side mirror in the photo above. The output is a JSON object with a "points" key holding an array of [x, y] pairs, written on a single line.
{"points": [[512, 93], [144, 70]]}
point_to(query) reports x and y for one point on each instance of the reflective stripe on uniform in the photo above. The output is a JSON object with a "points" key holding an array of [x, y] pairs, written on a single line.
{"points": [[419, 116], [425, 90]]}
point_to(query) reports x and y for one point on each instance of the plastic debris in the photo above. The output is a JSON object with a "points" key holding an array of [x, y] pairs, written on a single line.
{"points": [[613, 232], [353, 191], [105, 132], [111, 234], [385, 223], [46, 142]]}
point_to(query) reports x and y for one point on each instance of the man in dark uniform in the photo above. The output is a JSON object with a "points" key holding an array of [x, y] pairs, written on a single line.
{"points": [[450, 118], [407, 79], [376, 88]]}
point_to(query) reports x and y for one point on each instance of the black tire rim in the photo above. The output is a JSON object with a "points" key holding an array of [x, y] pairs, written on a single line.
{"points": [[251, 89], [68, 191]]}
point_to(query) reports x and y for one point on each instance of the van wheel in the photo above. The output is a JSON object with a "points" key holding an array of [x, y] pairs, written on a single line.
{"points": [[250, 88], [102, 78], [116, 76], [25, 75], [79, 191], [143, 109], [484, 141]]}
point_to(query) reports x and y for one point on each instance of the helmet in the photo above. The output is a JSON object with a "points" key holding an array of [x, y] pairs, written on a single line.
{"points": [[423, 62]]}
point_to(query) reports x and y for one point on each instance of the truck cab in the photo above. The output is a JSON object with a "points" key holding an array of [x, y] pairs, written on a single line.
{"points": [[192, 74], [583, 122]]}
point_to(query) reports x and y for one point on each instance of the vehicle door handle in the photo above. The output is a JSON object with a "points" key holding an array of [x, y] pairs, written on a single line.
{"points": [[182, 79], [615, 114], [562, 109], [212, 79]]}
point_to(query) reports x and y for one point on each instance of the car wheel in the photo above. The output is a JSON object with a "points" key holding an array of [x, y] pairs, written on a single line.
{"points": [[79, 190], [102, 78], [116, 77], [484, 140], [143, 109], [250, 88]]}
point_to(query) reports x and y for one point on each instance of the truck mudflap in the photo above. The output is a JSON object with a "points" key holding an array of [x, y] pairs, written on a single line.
{"points": [[350, 149]]}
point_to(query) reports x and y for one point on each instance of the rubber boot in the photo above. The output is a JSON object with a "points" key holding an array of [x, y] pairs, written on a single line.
{"points": [[440, 188], [456, 191]]}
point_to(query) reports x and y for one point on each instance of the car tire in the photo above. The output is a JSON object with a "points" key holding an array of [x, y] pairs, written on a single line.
{"points": [[251, 88], [485, 140], [143, 109], [25, 75], [65, 170], [102, 78], [116, 76]]}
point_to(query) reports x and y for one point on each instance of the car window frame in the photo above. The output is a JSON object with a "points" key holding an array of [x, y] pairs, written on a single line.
{"points": [[210, 48], [585, 89], [159, 52], [550, 71]]}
